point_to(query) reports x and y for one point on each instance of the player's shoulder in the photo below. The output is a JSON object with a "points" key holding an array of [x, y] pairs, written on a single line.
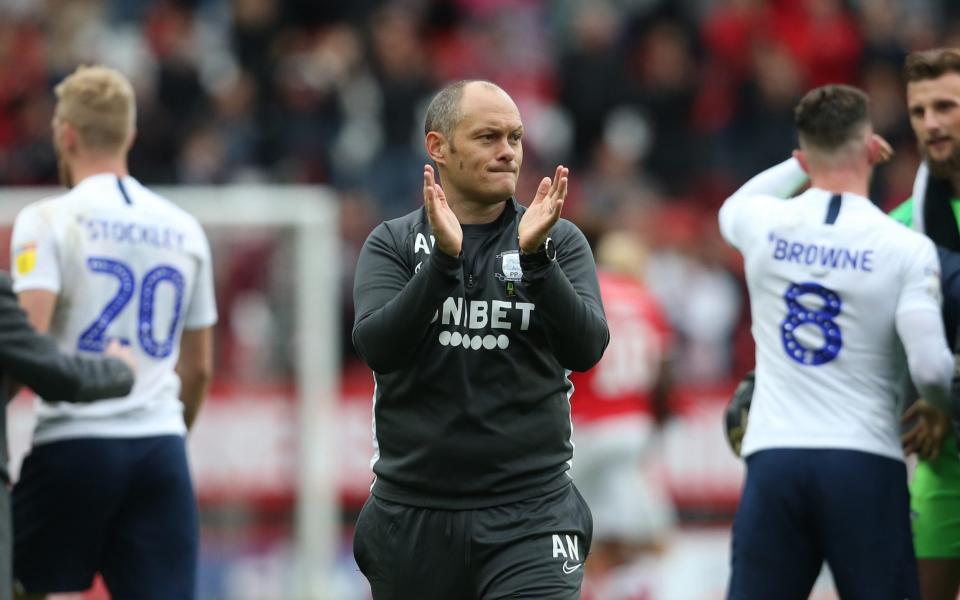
{"points": [[871, 217], [897, 232], [161, 207], [759, 210], [403, 227], [44, 212], [567, 231], [54, 200], [89, 192], [144, 196], [412, 220], [908, 247]]}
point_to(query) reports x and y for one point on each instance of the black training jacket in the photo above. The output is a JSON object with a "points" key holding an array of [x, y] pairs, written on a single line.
{"points": [[35, 360], [472, 402]]}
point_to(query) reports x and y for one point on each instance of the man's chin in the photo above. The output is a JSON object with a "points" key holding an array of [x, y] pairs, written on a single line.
{"points": [[499, 193]]}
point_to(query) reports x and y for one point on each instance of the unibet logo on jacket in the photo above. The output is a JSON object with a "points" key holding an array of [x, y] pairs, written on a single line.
{"points": [[477, 315]]}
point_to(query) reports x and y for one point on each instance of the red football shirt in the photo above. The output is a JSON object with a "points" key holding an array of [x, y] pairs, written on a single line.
{"points": [[640, 336]]}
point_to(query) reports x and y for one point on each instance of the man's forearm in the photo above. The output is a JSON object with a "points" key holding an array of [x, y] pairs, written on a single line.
{"points": [[930, 363], [103, 378], [567, 296], [404, 317], [36, 361], [575, 326], [193, 391]]}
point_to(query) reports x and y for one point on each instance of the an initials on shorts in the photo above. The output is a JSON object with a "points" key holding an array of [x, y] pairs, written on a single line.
{"points": [[572, 551]]}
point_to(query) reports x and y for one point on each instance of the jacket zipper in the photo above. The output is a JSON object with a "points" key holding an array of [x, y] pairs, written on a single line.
{"points": [[473, 259]]}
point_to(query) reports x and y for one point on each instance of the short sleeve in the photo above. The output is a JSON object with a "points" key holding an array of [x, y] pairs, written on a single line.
{"points": [[921, 286], [34, 256], [202, 309]]}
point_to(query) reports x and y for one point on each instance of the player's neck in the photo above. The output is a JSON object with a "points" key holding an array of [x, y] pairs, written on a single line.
{"points": [[98, 165], [841, 181]]}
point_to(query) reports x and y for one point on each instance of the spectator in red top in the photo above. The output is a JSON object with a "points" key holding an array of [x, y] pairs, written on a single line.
{"points": [[617, 408]]}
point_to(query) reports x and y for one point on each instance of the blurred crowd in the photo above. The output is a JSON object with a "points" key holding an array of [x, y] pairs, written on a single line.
{"points": [[661, 108]]}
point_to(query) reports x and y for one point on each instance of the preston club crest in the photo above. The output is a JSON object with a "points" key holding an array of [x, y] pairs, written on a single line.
{"points": [[509, 266]]}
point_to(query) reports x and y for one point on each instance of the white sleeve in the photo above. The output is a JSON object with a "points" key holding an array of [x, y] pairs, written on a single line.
{"points": [[920, 289], [202, 308], [928, 357], [920, 326], [780, 181], [34, 255]]}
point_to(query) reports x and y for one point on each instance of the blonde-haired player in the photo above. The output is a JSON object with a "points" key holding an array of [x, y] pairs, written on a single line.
{"points": [[106, 488]]}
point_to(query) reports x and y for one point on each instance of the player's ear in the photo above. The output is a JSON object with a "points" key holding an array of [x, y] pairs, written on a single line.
{"points": [[801, 157], [874, 150], [69, 137], [436, 145], [131, 137]]}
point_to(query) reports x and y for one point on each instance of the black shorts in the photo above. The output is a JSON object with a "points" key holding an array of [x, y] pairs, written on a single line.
{"points": [[124, 507], [533, 548]]}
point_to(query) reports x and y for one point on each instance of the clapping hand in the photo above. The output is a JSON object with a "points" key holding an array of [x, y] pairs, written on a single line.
{"points": [[544, 212], [443, 222]]}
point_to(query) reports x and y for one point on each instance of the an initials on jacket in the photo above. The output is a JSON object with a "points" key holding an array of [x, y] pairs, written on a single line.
{"points": [[420, 244], [572, 551], [479, 314]]}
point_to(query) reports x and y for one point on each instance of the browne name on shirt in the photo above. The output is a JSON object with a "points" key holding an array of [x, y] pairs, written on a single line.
{"points": [[821, 255]]}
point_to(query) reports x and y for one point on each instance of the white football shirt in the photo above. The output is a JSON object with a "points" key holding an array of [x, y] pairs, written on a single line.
{"points": [[128, 264], [827, 276]]}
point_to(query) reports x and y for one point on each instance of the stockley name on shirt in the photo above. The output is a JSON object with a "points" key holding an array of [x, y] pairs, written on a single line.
{"points": [[125, 232], [822, 255]]}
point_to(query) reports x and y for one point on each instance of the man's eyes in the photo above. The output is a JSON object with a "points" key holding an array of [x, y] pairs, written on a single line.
{"points": [[489, 137]]}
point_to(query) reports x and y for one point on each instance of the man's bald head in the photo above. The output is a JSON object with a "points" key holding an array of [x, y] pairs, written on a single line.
{"points": [[446, 109]]}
